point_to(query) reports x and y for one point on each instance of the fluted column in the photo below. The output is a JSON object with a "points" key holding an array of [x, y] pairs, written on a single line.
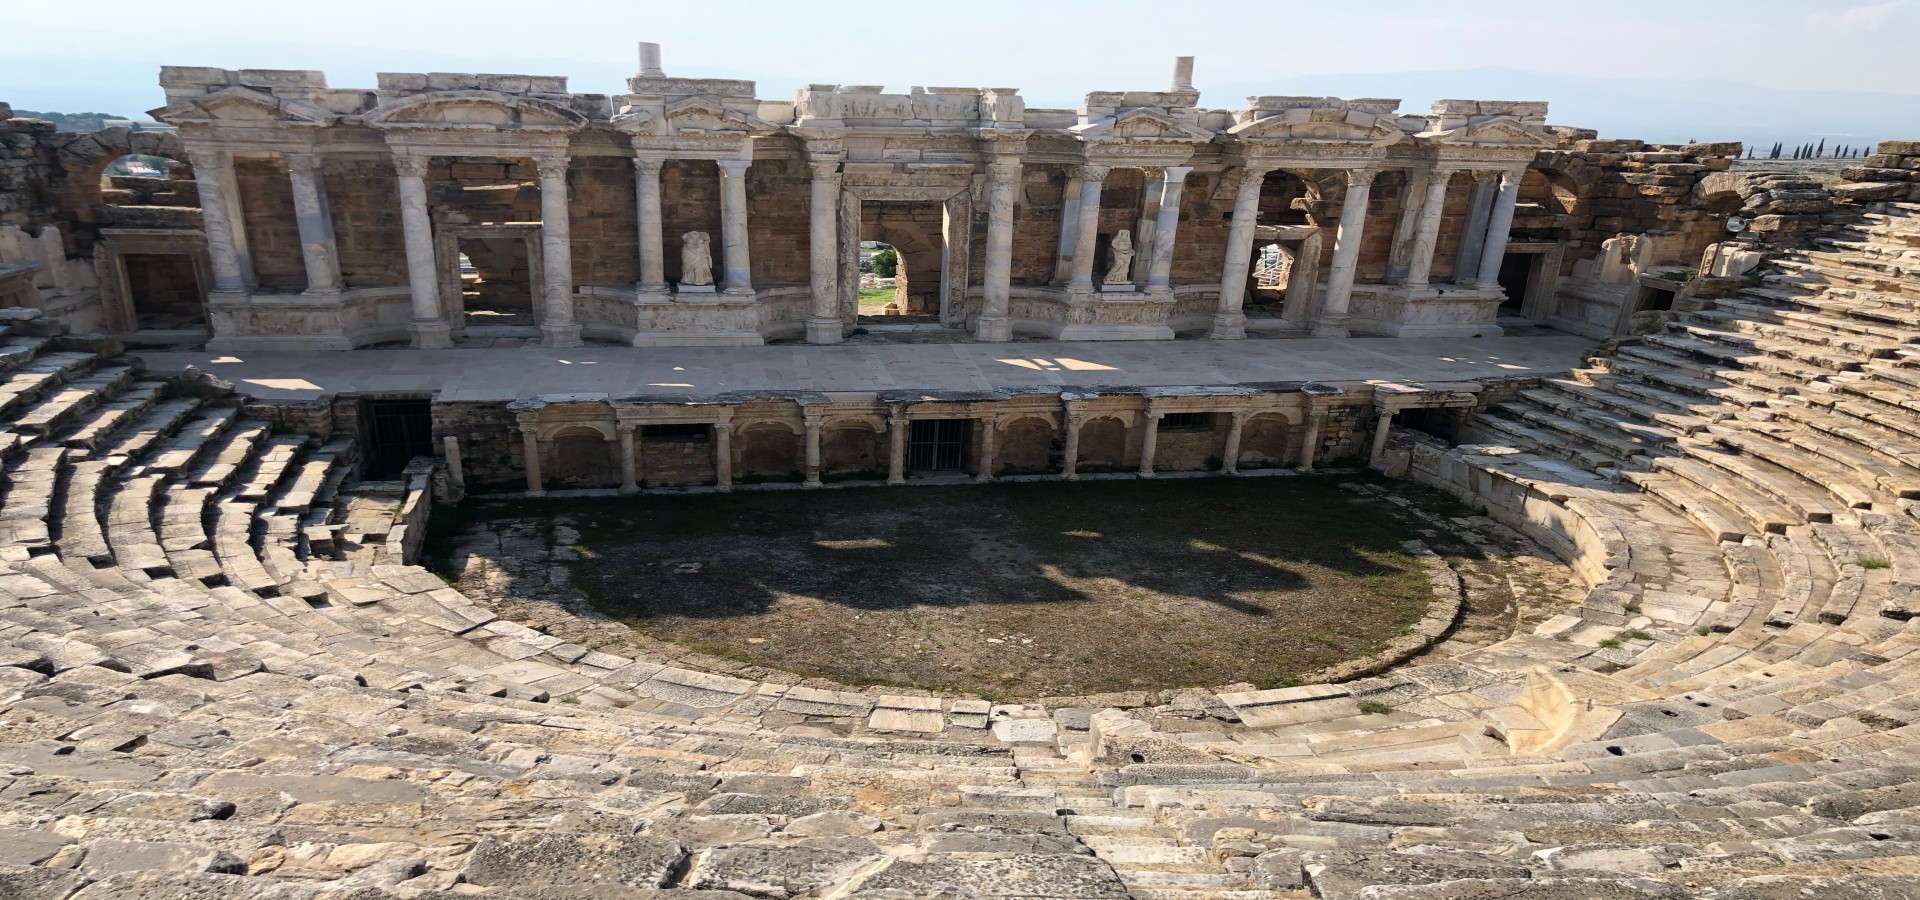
{"points": [[1147, 229], [214, 214], [813, 453], [1426, 232], [1499, 225], [1473, 236], [1069, 227], [1332, 320], [557, 328], [823, 253], [1166, 228], [1230, 455], [723, 456], [315, 221], [988, 431], [1070, 454], [1086, 233], [429, 327], [1149, 442], [997, 273], [629, 462], [646, 198], [897, 447], [1228, 321], [733, 224]]}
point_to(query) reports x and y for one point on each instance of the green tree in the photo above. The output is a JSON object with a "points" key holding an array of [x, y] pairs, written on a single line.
{"points": [[886, 263]]}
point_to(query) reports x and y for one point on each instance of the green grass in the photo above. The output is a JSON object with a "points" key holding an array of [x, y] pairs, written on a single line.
{"points": [[873, 301], [1374, 708], [1610, 644], [1872, 562]]}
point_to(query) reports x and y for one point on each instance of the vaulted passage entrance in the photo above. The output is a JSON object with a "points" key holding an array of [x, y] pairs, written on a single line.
{"points": [[395, 431]]}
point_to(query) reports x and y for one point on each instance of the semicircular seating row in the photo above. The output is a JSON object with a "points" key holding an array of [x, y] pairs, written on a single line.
{"points": [[210, 688]]}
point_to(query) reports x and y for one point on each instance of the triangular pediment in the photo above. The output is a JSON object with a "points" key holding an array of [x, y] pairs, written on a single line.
{"points": [[1494, 131], [699, 116], [1141, 124], [242, 106], [1322, 125], [466, 110]]}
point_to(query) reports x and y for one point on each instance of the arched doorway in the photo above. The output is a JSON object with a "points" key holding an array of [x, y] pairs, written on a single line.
{"points": [[581, 456], [1103, 445], [769, 451], [1028, 446], [912, 232]]}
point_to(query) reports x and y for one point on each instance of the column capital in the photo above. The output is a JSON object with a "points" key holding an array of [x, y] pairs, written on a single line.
{"points": [[552, 166], [625, 427], [1362, 177], [209, 157], [1001, 172], [1176, 173], [1486, 176], [648, 165], [1512, 177], [1091, 173], [407, 165], [528, 420], [824, 171], [304, 160], [722, 427], [1155, 414], [733, 168]]}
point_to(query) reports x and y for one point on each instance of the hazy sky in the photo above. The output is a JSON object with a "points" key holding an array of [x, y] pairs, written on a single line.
{"points": [[103, 54]]}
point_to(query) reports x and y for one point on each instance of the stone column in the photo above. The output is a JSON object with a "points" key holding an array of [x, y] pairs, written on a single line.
{"points": [[1146, 230], [1499, 225], [1380, 431], [646, 197], [1310, 442], [228, 278], [813, 453], [530, 449], [315, 221], [557, 328], [733, 224], [1411, 196], [1228, 321], [429, 327], [1230, 455], [723, 456], [1166, 228], [1332, 320], [1149, 441], [823, 254], [897, 447], [1070, 454], [1473, 237], [1086, 234], [1426, 232], [988, 430], [456, 473], [1069, 227], [629, 461], [994, 323], [237, 214]]}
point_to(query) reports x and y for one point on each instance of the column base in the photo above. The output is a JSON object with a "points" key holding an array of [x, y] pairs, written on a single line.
{"points": [[1148, 474], [651, 293], [1228, 327], [993, 329], [896, 481], [1072, 476], [982, 479], [812, 483], [744, 291], [431, 335], [1331, 327], [629, 489], [824, 330], [560, 336]]}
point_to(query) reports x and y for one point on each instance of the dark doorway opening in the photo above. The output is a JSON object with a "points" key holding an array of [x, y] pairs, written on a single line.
{"points": [[938, 445], [165, 291], [1515, 273], [395, 430], [496, 281]]}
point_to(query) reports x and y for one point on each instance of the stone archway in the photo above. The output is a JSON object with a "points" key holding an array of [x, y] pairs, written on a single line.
{"points": [[581, 456], [1028, 446], [768, 451], [913, 230], [1103, 445], [1265, 442], [853, 449]]}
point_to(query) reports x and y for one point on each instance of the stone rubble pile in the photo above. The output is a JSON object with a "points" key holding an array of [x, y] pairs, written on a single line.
{"points": [[218, 680]]}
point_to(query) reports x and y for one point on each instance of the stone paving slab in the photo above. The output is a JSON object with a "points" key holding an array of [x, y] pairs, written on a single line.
{"points": [[494, 375]]}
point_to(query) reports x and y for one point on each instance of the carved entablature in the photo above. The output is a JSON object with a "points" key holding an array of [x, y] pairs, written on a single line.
{"points": [[828, 105], [1319, 132], [1487, 133], [906, 181], [474, 110], [245, 116], [699, 127], [1142, 136]]}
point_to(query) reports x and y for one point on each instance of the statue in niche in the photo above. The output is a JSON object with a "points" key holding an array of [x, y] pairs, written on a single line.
{"points": [[1121, 252], [696, 259]]}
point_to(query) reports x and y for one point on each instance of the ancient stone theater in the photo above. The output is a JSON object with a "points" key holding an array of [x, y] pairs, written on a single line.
{"points": [[1647, 417]]}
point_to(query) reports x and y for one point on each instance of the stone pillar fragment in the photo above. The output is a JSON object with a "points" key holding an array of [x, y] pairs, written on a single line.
{"points": [[1228, 320], [997, 275], [1166, 228], [1149, 442], [629, 461], [1499, 225], [1147, 228], [315, 222], [823, 254], [1069, 227], [813, 453], [530, 450], [456, 473], [1332, 320], [429, 327], [723, 456], [557, 328], [897, 447], [1087, 231], [988, 430], [1411, 195], [646, 198], [1426, 232], [1380, 431], [733, 225], [1473, 236], [1230, 454], [217, 220], [1070, 454]]}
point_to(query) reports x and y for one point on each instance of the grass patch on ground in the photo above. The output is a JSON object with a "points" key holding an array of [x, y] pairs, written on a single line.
{"points": [[873, 301], [1004, 590]]}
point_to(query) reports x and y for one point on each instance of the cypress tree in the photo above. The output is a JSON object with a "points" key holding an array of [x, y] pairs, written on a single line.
{"points": [[1822, 151]]}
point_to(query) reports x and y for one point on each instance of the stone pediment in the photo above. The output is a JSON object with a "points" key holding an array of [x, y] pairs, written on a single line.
{"points": [[695, 116], [242, 106], [1491, 132], [1142, 125], [1322, 125], [474, 111]]}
